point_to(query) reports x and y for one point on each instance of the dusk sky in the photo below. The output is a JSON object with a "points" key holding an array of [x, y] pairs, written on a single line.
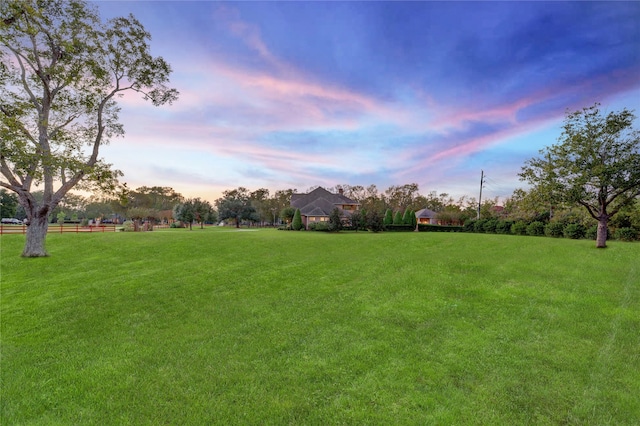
{"points": [[298, 94]]}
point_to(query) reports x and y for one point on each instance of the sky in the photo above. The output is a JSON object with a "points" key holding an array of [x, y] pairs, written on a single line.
{"points": [[284, 95]]}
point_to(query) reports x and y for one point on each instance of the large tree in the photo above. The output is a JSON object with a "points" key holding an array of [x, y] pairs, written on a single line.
{"points": [[261, 203], [236, 204], [195, 210], [155, 197], [595, 164], [61, 71], [401, 197]]}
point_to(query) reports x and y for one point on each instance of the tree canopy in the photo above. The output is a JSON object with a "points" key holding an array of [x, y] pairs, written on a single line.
{"points": [[236, 204], [61, 71], [195, 210], [596, 164]]}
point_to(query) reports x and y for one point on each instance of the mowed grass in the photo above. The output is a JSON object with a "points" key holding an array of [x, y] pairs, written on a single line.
{"points": [[228, 327]]}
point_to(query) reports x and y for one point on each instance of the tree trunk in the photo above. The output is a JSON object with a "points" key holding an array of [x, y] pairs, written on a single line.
{"points": [[36, 235], [601, 237]]}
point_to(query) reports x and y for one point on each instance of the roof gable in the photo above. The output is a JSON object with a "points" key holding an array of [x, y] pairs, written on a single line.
{"points": [[426, 214], [319, 201]]}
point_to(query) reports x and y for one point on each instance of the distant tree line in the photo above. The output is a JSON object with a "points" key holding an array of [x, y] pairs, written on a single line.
{"points": [[392, 209]]}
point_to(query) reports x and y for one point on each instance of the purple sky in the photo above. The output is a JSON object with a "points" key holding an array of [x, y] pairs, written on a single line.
{"points": [[296, 94]]}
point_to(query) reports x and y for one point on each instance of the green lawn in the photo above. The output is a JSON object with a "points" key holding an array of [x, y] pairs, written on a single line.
{"points": [[219, 326]]}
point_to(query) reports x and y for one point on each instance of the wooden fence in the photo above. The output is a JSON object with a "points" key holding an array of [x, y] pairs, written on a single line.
{"points": [[58, 229]]}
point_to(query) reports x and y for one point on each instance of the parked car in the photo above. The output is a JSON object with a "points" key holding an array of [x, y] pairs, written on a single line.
{"points": [[11, 221]]}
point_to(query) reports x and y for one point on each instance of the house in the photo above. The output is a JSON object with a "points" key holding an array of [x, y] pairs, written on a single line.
{"points": [[426, 216], [317, 205]]}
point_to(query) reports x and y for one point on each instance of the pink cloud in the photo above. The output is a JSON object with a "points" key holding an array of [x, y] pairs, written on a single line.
{"points": [[588, 91]]}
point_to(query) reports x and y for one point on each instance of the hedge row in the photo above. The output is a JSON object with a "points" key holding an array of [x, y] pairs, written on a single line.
{"points": [[551, 229], [399, 228], [439, 228]]}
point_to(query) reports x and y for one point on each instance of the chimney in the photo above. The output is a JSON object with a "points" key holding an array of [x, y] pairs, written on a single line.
{"points": [[341, 191]]}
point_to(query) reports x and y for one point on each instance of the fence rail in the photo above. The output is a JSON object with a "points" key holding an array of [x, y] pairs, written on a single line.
{"points": [[58, 229]]}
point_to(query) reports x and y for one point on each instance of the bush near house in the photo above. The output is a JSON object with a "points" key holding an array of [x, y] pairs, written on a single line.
{"points": [[296, 224], [335, 221], [319, 226]]}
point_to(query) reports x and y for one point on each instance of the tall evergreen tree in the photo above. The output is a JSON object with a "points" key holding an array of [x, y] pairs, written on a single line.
{"points": [[397, 219], [406, 217], [296, 224], [388, 217]]}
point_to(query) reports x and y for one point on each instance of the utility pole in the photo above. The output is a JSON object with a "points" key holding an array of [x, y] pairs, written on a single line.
{"points": [[480, 198], [552, 189]]}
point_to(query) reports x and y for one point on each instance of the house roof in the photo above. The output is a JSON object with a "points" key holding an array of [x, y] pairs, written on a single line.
{"points": [[319, 202], [426, 214]]}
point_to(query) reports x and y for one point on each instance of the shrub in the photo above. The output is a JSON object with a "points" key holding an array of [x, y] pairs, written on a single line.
{"points": [[319, 226], [128, 226], [626, 234], [574, 231], [503, 227], [84, 222], [478, 226], [439, 228], [490, 226], [177, 224], [535, 229], [554, 229], [296, 224], [469, 225], [400, 228], [519, 228]]}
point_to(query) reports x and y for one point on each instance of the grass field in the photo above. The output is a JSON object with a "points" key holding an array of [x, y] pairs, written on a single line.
{"points": [[228, 327]]}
